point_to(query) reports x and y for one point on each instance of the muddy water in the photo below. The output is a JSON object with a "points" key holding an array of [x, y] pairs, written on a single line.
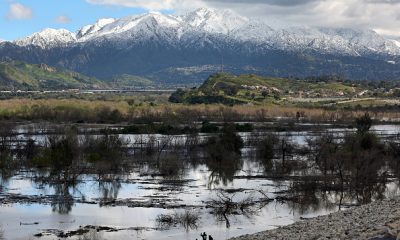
{"points": [[141, 198]]}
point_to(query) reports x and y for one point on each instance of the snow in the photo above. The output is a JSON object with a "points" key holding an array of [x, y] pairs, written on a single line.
{"points": [[92, 29], [397, 43], [200, 27], [215, 21], [48, 38], [130, 26]]}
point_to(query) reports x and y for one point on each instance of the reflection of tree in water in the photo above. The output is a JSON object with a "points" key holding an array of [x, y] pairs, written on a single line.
{"points": [[353, 168], [224, 170], [109, 182], [69, 158], [369, 192], [63, 182], [306, 196], [224, 156], [5, 175], [227, 205], [311, 195], [171, 166], [109, 189], [9, 163], [91, 235], [63, 200]]}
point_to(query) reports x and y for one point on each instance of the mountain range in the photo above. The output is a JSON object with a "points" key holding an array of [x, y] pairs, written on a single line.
{"points": [[185, 49]]}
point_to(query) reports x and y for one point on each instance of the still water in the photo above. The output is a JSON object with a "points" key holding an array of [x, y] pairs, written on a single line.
{"points": [[136, 199]]}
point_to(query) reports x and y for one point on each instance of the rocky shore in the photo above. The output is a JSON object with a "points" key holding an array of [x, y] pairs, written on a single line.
{"points": [[379, 220]]}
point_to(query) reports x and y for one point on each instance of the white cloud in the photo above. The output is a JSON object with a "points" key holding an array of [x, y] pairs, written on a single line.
{"points": [[62, 19], [151, 4], [382, 15], [17, 11]]}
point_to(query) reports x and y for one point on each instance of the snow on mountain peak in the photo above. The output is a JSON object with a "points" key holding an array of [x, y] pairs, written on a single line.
{"points": [[397, 43], [48, 37], [195, 28], [128, 27], [163, 20], [215, 21], [92, 29]]}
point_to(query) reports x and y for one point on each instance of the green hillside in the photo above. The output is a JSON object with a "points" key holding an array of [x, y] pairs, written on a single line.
{"points": [[130, 81], [23, 76], [230, 89]]}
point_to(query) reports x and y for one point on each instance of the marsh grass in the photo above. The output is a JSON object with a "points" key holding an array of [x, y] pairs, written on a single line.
{"points": [[121, 110], [91, 235], [188, 219]]}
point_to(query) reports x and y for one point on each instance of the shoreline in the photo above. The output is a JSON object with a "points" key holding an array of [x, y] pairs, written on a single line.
{"points": [[379, 220]]}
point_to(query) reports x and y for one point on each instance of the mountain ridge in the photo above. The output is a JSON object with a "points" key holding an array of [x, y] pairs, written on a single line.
{"points": [[225, 23], [185, 49]]}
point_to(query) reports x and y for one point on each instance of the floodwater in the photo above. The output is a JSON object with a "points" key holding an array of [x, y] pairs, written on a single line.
{"points": [[135, 199]]}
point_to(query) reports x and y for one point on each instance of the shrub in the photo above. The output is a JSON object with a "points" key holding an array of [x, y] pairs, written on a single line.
{"points": [[363, 123], [225, 144], [59, 151], [208, 127], [266, 147], [247, 127]]}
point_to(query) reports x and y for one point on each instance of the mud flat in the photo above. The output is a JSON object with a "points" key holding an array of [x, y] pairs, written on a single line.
{"points": [[379, 220]]}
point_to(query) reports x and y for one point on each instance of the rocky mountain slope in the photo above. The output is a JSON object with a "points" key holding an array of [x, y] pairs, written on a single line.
{"points": [[16, 75], [185, 49]]}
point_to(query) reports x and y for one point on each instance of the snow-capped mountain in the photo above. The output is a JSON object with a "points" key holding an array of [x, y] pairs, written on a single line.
{"points": [[135, 29], [223, 24], [48, 38], [93, 29], [397, 43], [186, 47]]}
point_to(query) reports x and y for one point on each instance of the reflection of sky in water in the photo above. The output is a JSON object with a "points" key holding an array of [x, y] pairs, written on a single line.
{"points": [[273, 215], [194, 192]]}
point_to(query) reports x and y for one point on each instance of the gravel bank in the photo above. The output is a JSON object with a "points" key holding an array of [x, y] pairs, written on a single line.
{"points": [[378, 221]]}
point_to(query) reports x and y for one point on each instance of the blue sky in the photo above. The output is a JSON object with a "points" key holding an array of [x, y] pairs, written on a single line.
{"points": [[44, 13]]}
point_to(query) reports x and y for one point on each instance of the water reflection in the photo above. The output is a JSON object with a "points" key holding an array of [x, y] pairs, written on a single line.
{"points": [[310, 195], [223, 171], [171, 166], [109, 190], [321, 175], [63, 201], [91, 235], [188, 219], [224, 156], [227, 205]]}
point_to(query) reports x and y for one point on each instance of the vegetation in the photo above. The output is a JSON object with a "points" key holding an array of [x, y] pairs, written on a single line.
{"points": [[16, 75], [145, 110], [188, 219], [356, 161], [225, 144], [126, 81], [230, 89]]}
